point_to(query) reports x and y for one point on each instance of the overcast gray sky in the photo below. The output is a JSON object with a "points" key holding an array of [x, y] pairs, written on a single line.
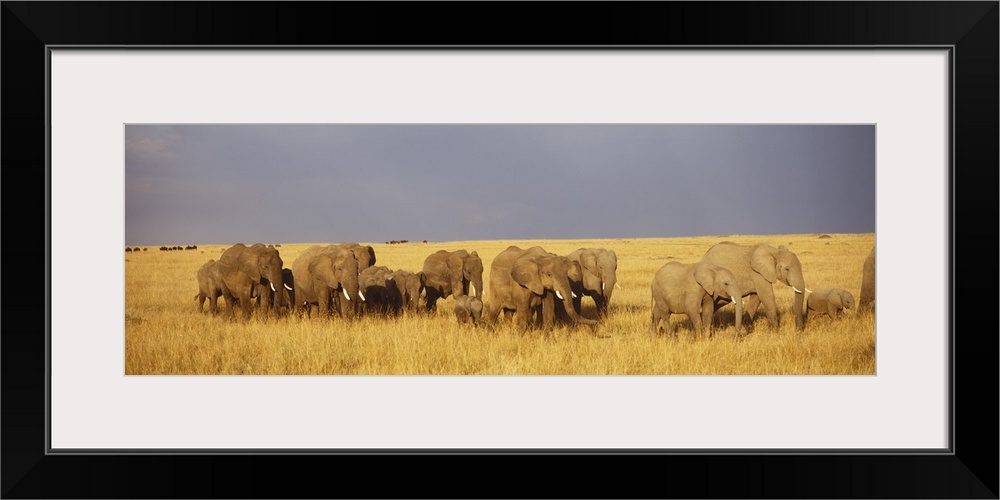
{"points": [[223, 184]]}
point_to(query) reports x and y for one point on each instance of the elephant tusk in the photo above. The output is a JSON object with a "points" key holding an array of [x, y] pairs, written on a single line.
{"points": [[574, 294], [797, 290], [348, 297], [472, 289], [287, 287], [734, 299], [603, 285], [559, 295], [808, 290], [361, 295], [272, 288], [618, 286]]}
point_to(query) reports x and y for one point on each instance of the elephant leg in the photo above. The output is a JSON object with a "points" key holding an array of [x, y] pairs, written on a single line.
{"points": [[201, 302], [323, 301], [693, 311], [548, 311], [432, 297], [490, 312], [266, 298], [707, 312], [521, 319], [228, 298], [753, 302], [213, 306], [245, 304], [655, 325], [766, 296], [833, 311]]}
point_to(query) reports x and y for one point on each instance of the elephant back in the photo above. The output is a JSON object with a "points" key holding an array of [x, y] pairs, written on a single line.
{"points": [[737, 259]]}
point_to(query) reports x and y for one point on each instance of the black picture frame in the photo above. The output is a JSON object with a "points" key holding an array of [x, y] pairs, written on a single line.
{"points": [[970, 29]]}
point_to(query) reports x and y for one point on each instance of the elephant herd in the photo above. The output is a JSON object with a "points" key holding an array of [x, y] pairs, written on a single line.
{"points": [[728, 272], [529, 287]]}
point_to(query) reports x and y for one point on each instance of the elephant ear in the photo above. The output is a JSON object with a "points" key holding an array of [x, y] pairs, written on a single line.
{"points": [[591, 270], [321, 268], [762, 261], [473, 266], [456, 271], [836, 299], [704, 275], [525, 273], [368, 252]]}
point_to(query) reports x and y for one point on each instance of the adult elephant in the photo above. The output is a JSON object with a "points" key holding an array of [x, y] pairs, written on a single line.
{"points": [[867, 298], [323, 272], [599, 269], [452, 273], [756, 268], [246, 270], [521, 281]]}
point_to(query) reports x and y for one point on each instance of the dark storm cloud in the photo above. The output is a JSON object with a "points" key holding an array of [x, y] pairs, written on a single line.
{"points": [[313, 183]]}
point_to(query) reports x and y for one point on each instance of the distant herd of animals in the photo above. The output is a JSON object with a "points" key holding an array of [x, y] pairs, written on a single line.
{"points": [[175, 247], [530, 287]]}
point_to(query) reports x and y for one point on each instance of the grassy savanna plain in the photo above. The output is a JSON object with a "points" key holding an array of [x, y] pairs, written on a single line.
{"points": [[166, 335]]}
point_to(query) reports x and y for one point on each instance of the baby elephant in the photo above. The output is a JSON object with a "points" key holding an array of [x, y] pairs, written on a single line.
{"points": [[468, 309], [829, 301], [210, 286]]}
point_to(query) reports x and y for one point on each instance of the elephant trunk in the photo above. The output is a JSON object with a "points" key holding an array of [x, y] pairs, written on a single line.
{"points": [[477, 283], [607, 288], [276, 288], [799, 284], [351, 299], [565, 293], [738, 302]]}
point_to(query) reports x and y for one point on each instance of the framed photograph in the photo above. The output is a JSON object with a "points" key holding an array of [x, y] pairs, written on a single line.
{"points": [[166, 122]]}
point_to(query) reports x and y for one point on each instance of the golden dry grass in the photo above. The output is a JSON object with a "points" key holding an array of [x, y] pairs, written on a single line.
{"points": [[165, 334]]}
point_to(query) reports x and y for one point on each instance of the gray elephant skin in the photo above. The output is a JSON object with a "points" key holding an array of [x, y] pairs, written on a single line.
{"points": [[829, 301], [409, 286], [599, 268], [210, 286], [452, 273], [867, 298], [468, 310], [322, 272], [389, 292], [757, 268], [696, 290], [365, 257], [246, 271], [382, 296], [521, 281]]}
